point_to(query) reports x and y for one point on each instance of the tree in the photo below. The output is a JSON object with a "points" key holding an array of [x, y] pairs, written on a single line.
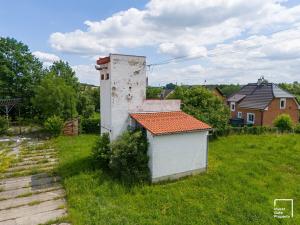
{"points": [[229, 89], [20, 72], [170, 86], [95, 94], [153, 92], [293, 88], [54, 97], [63, 70], [202, 104], [85, 106]]}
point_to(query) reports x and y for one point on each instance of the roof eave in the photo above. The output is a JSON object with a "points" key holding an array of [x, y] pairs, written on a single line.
{"points": [[179, 132]]}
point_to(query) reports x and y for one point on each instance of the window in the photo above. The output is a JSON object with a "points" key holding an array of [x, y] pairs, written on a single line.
{"points": [[282, 103], [232, 106], [107, 76], [102, 76], [240, 115], [250, 118]]}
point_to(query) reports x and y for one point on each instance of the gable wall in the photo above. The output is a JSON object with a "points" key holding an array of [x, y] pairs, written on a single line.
{"points": [[274, 110]]}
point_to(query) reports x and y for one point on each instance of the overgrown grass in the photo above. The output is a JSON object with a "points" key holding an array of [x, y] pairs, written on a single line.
{"points": [[5, 159], [246, 173]]}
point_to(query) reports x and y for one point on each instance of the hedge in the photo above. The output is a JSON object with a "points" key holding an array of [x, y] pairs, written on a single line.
{"points": [[243, 130], [90, 125]]}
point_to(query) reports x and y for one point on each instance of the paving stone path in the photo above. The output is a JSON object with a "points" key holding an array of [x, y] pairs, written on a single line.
{"points": [[30, 192]]}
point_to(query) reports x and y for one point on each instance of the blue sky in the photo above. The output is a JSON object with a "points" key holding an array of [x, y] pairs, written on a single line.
{"points": [[233, 41]]}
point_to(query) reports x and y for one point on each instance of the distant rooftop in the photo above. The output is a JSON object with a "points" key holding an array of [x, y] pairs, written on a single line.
{"points": [[258, 95], [169, 122]]}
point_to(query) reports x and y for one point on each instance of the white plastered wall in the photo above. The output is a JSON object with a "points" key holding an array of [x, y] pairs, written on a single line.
{"points": [[122, 93], [175, 155]]}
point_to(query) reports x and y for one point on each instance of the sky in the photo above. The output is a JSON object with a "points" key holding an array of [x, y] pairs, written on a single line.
{"points": [[185, 41]]}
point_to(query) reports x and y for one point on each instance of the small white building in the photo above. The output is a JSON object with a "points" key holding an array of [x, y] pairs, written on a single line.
{"points": [[178, 143]]}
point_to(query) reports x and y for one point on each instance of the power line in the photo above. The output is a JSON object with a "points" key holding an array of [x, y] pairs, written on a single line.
{"points": [[190, 57]]}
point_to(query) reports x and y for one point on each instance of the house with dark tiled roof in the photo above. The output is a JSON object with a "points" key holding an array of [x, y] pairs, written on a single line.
{"points": [[260, 103]]}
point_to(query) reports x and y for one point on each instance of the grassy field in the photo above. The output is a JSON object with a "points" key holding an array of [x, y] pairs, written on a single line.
{"points": [[246, 173]]}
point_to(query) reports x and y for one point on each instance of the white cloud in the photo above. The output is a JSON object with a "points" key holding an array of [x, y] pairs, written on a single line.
{"points": [[233, 37], [189, 49], [197, 22], [46, 58], [87, 74]]}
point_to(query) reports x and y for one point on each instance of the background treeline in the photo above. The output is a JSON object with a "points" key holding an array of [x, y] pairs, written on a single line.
{"points": [[44, 92], [56, 92], [226, 89]]}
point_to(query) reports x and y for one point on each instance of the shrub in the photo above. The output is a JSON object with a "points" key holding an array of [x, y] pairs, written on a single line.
{"points": [[297, 129], [283, 122], [90, 125], [129, 159], [101, 151], [3, 125], [54, 125]]}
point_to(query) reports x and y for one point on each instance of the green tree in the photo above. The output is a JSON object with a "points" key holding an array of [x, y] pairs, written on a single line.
{"points": [[20, 72], [3, 125], [85, 106], [55, 97], [229, 89], [153, 92], [293, 88], [171, 86], [63, 70], [94, 94], [202, 104]]}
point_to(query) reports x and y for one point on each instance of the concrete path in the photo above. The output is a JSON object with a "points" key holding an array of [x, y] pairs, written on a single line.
{"points": [[29, 194]]}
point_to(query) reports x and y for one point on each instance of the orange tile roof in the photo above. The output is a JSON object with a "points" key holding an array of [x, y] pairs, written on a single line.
{"points": [[169, 122], [104, 60]]}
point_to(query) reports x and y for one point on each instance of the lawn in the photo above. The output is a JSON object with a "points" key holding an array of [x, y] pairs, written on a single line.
{"points": [[246, 173]]}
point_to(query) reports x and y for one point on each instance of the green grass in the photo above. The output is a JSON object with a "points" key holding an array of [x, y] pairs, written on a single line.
{"points": [[246, 173], [5, 159]]}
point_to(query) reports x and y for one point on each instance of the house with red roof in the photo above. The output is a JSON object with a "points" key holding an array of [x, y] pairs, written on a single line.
{"points": [[178, 143], [260, 103]]}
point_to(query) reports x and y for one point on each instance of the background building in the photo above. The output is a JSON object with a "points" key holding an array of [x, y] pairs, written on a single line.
{"points": [[260, 103]]}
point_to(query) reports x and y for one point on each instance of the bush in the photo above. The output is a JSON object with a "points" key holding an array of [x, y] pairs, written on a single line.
{"points": [[3, 125], [90, 126], [54, 125], [101, 151], [283, 122], [129, 159], [297, 129]]}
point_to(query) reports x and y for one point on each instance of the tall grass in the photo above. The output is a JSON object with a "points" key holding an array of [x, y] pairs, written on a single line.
{"points": [[246, 173]]}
